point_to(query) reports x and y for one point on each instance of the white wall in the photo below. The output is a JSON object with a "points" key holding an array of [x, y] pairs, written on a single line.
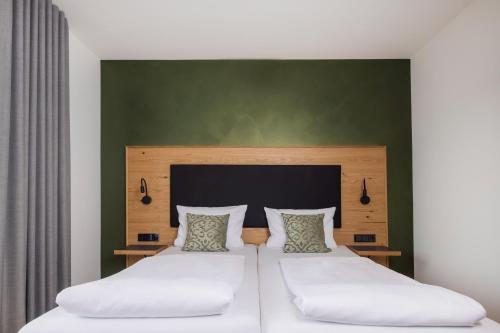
{"points": [[85, 92], [456, 155]]}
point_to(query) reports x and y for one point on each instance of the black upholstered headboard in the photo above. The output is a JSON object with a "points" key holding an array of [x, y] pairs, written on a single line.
{"points": [[259, 186]]}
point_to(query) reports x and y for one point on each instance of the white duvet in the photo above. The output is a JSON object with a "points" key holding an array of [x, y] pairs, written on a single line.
{"points": [[183, 285], [358, 291]]}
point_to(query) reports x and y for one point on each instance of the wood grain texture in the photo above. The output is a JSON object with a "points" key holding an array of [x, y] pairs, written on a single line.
{"points": [[375, 252], [357, 162], [137, 252], [132, 259]]}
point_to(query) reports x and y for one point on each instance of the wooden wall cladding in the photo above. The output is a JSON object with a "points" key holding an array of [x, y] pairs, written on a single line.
{"points": [[357, 162]]}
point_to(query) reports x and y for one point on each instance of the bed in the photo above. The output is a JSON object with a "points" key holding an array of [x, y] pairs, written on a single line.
{"points": [[279, 314], [263, 302], [243, 315]]}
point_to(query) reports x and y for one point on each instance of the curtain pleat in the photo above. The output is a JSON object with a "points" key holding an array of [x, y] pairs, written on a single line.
{"points": [[34, 160]]}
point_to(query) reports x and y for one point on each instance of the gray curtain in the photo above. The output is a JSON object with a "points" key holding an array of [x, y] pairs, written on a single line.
{"points": [[34, 160]]}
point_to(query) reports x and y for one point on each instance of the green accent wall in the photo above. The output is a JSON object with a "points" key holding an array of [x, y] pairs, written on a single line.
{"points": [[256, 103]]}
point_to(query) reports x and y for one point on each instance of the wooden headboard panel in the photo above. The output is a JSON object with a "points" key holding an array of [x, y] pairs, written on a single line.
{"points": [[357, 162]]}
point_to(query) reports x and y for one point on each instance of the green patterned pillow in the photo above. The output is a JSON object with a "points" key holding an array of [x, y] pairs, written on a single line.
{"points": [[304, 234], [206, 233]]}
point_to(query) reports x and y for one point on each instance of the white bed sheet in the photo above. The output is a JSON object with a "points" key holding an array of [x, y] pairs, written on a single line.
{"points": [[243, 315], [279, 314]]}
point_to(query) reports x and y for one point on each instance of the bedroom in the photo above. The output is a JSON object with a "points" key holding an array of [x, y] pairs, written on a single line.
{"points": [[400, 95]]}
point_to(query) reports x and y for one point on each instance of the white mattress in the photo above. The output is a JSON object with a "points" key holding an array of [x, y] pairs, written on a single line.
{"points": [[279, 314], [243, 316]]}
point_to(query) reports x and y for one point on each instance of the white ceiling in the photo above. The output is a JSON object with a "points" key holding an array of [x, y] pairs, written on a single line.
{"points": [[257, 29]]}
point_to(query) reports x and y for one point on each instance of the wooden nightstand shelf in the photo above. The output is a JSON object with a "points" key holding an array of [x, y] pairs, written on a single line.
{"points": [[370, 251], [135, 253]]}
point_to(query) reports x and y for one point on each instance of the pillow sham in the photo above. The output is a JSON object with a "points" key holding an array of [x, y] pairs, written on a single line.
{"points": [[234, 227], [206, 233], [276, 227], [304, 234]]}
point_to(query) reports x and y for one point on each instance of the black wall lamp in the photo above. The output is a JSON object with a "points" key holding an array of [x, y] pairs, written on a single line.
{"points": [[146, 199], [365, 199]]}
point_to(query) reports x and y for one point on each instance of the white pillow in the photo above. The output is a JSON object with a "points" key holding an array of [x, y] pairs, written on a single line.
{"points": [[234, 226], [277, 227]]}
